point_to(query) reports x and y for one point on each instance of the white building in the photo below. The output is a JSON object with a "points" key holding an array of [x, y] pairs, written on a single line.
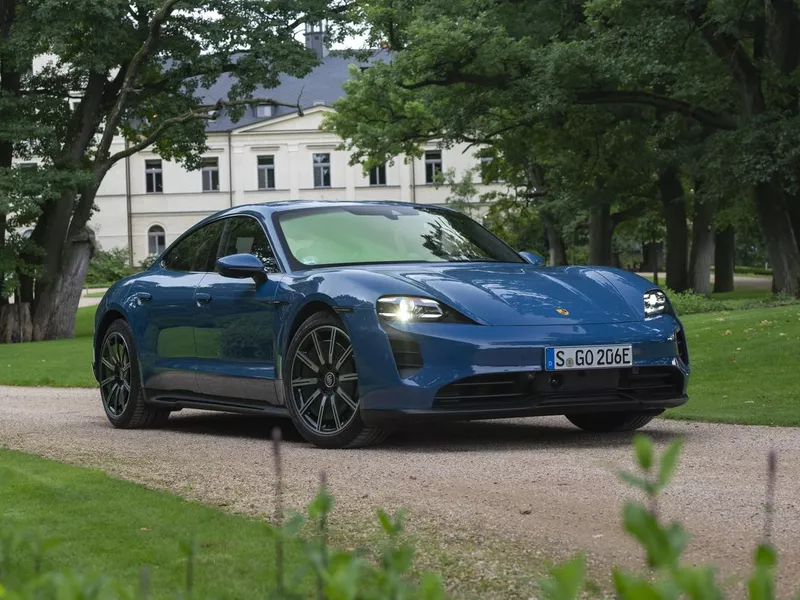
{"points": [[271, 154]]}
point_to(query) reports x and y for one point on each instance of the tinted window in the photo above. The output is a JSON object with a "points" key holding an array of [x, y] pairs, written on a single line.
{"points": [[244, 235], [197, 251], [386, 234]]}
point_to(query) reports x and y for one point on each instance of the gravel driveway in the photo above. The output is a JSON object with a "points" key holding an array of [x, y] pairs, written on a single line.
{"points": [[499, 496]]}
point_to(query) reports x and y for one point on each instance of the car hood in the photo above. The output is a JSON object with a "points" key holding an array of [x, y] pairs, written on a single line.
{"points": [[523, 295]]}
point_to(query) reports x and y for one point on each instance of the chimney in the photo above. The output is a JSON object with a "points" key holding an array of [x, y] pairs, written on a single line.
{"points": [[315, 39]]}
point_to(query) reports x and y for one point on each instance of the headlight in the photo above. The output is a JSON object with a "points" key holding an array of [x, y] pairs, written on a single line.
{"points": [[405, 309], [655, 303]]}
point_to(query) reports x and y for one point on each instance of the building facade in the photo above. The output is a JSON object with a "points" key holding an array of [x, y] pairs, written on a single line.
{"points": [[146, 202]]}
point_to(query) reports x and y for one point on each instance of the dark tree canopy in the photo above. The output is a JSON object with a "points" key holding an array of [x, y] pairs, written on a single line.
{"points": [[686, 104]]}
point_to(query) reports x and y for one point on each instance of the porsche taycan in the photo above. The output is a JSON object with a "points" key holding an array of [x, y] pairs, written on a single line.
{"points": [[358, 318]]}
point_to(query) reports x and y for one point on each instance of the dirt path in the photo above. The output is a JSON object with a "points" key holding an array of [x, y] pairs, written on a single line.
{"points": [[497, 495]]}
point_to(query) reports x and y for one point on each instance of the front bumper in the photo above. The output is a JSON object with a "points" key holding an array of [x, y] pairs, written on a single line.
{"points": [[503, 370]]}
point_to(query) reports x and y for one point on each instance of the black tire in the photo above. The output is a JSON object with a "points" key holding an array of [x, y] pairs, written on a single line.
{"points": [[120, 387], [613, 421], [324, 403]]}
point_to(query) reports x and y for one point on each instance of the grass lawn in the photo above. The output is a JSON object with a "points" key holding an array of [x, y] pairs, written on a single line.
{"points": [[60, 363], [112, 527], [745, 367]]}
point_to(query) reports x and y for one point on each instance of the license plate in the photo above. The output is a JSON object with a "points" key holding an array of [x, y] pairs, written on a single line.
{"points": [[587, 357]]}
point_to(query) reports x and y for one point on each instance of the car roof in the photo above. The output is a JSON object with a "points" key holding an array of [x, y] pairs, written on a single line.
{"points": [[270, 208]]}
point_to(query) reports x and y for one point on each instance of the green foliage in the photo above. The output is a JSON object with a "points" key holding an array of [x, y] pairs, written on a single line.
{"points": [[663, 543], [108, 266], [687, 303], [339, 575], [148, 262]]}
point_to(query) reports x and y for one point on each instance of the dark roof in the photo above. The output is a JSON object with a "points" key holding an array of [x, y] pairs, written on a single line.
{"points": [[323, 85]]}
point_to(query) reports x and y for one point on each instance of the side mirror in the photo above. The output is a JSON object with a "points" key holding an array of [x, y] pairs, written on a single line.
{"points": [[533, 258], [242, 266]]}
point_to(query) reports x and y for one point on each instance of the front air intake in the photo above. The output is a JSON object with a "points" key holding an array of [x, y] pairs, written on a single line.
{"points": [[406, 352]]}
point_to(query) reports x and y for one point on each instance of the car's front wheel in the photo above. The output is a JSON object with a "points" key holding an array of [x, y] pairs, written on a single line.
{"points": [[613, 421], [321, 383], [120, 384]]}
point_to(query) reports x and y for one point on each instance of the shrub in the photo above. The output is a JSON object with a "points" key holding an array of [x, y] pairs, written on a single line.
{"points": [[108, 266], [687, 303], [148, 262]]}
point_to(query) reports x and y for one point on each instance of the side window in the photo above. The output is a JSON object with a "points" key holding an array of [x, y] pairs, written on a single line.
{"points": [[197, 251], [244, 235]]}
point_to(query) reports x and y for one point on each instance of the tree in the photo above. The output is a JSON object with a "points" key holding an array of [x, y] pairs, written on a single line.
{"points": [[140, 68], [720, 74]]}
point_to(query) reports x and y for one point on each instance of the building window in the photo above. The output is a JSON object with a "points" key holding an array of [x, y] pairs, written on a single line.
{"points": [[154, 177], [322, 170], [264, 110], [377, 175], [210, 175], [156, 240], [486, 165], [266, 172], [433, 165]]}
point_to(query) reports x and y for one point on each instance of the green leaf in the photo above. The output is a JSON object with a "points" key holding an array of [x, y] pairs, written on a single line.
{"points": [[635, 481], [431, 587], [766, 556], [644, 451], [566, 581], [663, 545], [630, 587], [385, 521], [761, 585], [668, 462]]}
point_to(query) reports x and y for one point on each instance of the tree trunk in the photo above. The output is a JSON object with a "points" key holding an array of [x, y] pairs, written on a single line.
{"points": [[794, 215], [674, 203], [702, 254], [57, 300], [558, 253], [724, 259], [600, 235], [15, 323], [782, 249]]}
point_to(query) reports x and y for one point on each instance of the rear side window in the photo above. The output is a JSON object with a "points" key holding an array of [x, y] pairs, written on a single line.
{"points": [[197, 251], [244, 235]]}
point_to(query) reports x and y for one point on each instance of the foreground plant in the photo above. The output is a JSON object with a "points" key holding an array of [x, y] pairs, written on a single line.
{"points": [[664, 543]]}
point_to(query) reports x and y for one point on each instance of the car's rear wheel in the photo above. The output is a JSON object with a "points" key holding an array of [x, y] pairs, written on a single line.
{"points": [[613, 421], [321, 383], [120, 384]]}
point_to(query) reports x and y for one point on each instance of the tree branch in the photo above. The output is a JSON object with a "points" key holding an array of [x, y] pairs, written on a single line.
{"points": [[628, 213], [131, 73], [701, 115], [201, 113]]}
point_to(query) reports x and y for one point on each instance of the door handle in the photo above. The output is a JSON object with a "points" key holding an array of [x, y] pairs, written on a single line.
{"points": [[143, 297], [202, 298]]}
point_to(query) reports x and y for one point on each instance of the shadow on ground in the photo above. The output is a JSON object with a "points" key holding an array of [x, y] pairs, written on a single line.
{"points": [[498, 435]]}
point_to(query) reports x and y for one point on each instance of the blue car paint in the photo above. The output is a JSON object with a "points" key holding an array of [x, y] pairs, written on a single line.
{"points": [[513, 307]]}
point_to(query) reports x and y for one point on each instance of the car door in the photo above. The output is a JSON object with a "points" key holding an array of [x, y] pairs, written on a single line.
{"points": [[168, 354], [235, 329]]}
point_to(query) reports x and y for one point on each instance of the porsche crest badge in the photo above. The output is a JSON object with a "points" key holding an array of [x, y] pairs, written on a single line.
{"points": [[562, 311]]}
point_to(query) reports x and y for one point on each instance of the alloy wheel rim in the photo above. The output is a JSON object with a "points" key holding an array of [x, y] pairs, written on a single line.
{"points": [[115, 375], [325, 381]]}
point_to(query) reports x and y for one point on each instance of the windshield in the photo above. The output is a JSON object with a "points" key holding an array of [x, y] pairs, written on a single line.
{"points": [[344, 235]]}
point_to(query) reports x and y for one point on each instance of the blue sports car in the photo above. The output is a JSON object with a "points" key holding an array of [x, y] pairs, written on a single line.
{"points": [[356, 318]]}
